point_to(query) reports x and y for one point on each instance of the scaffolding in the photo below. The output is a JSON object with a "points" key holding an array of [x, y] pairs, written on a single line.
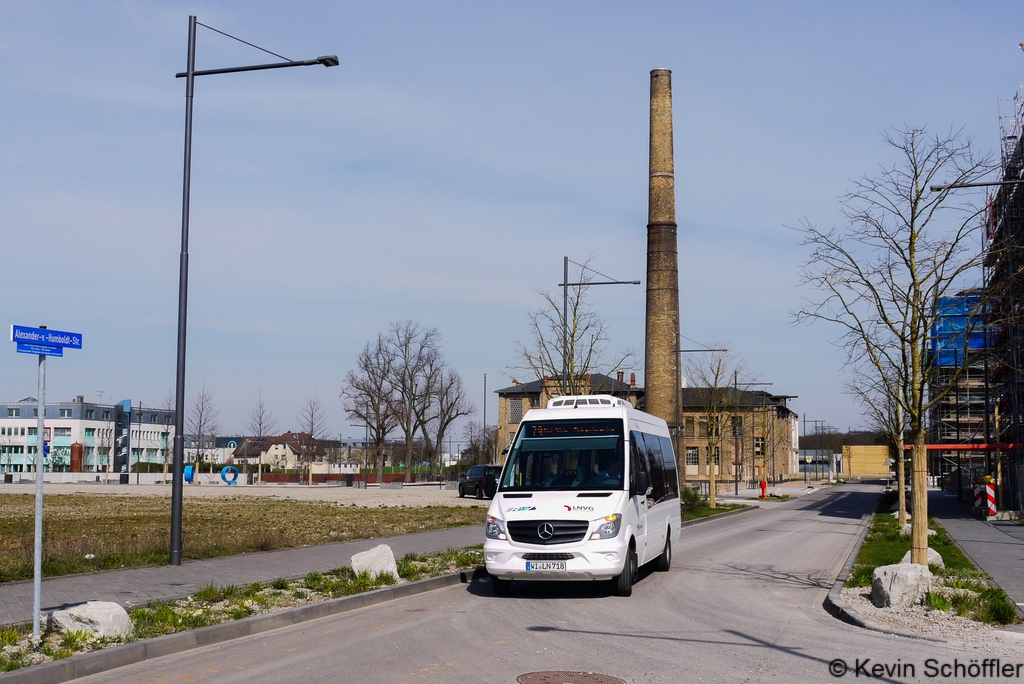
{"points": [[1004, 262], [959, 380]]}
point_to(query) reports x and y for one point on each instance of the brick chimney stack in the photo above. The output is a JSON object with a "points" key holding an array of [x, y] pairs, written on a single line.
{"points": [[662, 259]]}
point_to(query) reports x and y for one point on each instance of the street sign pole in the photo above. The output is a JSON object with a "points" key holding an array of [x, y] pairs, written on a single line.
{"points": [[37, 571], [43, 342]]}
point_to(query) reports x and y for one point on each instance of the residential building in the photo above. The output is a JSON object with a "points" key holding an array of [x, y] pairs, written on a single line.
{"points": [[758, 438], [85, 436]]}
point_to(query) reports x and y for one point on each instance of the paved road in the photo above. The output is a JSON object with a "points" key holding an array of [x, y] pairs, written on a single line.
{"points": [[742, 603]]}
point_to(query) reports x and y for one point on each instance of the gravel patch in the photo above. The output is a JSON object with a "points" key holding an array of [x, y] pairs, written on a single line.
{"points": [[959, 631], [370, 498]]}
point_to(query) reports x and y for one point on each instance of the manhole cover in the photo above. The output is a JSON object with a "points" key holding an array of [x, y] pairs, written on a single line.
{"points": [[561, 677]]}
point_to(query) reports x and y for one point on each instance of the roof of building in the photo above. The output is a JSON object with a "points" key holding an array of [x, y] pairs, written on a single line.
{"points": [[598, 383], [696, 397]]}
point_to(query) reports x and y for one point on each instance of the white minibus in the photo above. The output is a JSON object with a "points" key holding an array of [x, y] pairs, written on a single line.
{"points": [[589, 491]]}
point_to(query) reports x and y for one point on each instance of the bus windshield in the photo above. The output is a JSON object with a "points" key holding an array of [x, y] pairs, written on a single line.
{"points": [[566, 455]]}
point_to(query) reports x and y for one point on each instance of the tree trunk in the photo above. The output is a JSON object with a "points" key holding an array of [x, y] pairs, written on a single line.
{"points": [[901, 476], [712, 482], [919, 496]]}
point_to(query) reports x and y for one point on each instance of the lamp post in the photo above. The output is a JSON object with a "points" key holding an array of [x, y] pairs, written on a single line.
{"points": [[179, 428], [565, 284]]}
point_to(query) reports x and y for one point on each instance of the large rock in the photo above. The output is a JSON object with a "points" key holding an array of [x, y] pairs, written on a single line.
{"points": [[907, 530], [376, 561], [900, 586], [934, 558], [99, 618]]}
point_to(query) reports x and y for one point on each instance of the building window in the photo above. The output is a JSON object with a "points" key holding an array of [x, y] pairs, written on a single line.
{"points": [[515, 411], [702, 428], [692, 456], [718, 454], [106, 415], [61, 432], [32, 432], [13, 412], [90, 432], [65, 413], [89, 414], [759, 446], [689, 430], [737, 426]]}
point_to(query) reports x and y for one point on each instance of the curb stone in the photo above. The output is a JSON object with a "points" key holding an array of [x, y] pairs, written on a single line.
{"points": [[94, 662], [844, 612]]}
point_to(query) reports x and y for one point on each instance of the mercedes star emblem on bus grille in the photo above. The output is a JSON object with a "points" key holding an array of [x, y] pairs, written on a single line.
{"points": [[546, 530]]}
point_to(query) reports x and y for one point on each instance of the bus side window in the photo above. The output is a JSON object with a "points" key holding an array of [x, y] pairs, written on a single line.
{"points": [[671, 479], [656, 467]]}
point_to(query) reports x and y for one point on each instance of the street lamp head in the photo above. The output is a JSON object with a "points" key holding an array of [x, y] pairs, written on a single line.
{"points": [[328, 60]]}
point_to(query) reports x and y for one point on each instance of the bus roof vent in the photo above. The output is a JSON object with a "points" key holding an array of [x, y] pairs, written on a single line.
{"points": [[588, 401]]}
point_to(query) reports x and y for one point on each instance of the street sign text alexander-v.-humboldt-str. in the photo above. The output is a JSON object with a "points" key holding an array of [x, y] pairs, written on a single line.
{"points": [[44, 341]]}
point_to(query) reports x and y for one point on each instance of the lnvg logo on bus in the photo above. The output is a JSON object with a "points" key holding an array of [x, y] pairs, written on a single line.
{"points": [[578, 508], [522, 508]]}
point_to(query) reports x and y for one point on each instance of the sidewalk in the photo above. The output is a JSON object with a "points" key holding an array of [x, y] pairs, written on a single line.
{"points": [[995, 547], [141, 585]]}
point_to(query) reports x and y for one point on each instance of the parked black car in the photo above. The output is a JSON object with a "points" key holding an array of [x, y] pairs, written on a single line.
{"points": [[480, 481]]}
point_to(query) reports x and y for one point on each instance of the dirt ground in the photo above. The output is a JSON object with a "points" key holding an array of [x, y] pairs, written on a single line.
{"points": [[370, 498]]}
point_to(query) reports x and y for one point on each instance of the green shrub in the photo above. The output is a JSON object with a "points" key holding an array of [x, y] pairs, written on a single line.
{"points": [[860, 576], [690, 500], [281, 584], [209, 593], [9, 636], [252, 589], [995, 607], [935, 601]]}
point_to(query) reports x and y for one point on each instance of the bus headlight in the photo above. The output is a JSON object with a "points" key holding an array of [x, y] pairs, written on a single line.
{"points": [[608, 527], [495, 528]]}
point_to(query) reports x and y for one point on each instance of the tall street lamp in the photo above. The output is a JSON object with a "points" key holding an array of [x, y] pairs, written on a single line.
{"points": [[179, 392]]}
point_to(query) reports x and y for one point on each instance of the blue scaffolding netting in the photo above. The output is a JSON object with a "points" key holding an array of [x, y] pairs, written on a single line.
{"points": [[958, 330]]}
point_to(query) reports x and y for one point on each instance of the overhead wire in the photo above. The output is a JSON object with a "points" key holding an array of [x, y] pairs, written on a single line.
{"points": [[228, 35]]}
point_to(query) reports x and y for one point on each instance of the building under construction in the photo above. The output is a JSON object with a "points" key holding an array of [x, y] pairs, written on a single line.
{"points": [[1004, 265], [960, 374]]}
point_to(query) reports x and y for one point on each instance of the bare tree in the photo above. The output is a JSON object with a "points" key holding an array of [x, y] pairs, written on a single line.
{"points": [[312, 431], [202, 422], [480, 442], [366, 396], [448, 404], [711, 378], [879, 275], [578, 349], [414, 353], [261, 424]]}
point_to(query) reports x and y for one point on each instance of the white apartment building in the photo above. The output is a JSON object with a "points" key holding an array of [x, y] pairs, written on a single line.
{"points": [[89, 429]]}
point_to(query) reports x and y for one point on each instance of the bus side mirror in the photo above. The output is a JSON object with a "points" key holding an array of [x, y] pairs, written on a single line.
{"points": [[641, 483]]}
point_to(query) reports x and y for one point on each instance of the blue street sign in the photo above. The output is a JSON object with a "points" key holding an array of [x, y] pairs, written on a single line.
{"points": [[43, 336], [44, 349]]}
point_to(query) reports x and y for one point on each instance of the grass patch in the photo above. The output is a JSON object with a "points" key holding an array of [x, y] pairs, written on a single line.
{"points": [[959, 586], [706, 512], [123, 531]]}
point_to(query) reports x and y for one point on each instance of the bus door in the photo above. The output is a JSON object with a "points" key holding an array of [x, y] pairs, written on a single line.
{"points": [[638, 499]]}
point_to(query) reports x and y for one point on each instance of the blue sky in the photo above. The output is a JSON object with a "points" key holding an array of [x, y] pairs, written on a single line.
{"points": [[440, 173]]}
